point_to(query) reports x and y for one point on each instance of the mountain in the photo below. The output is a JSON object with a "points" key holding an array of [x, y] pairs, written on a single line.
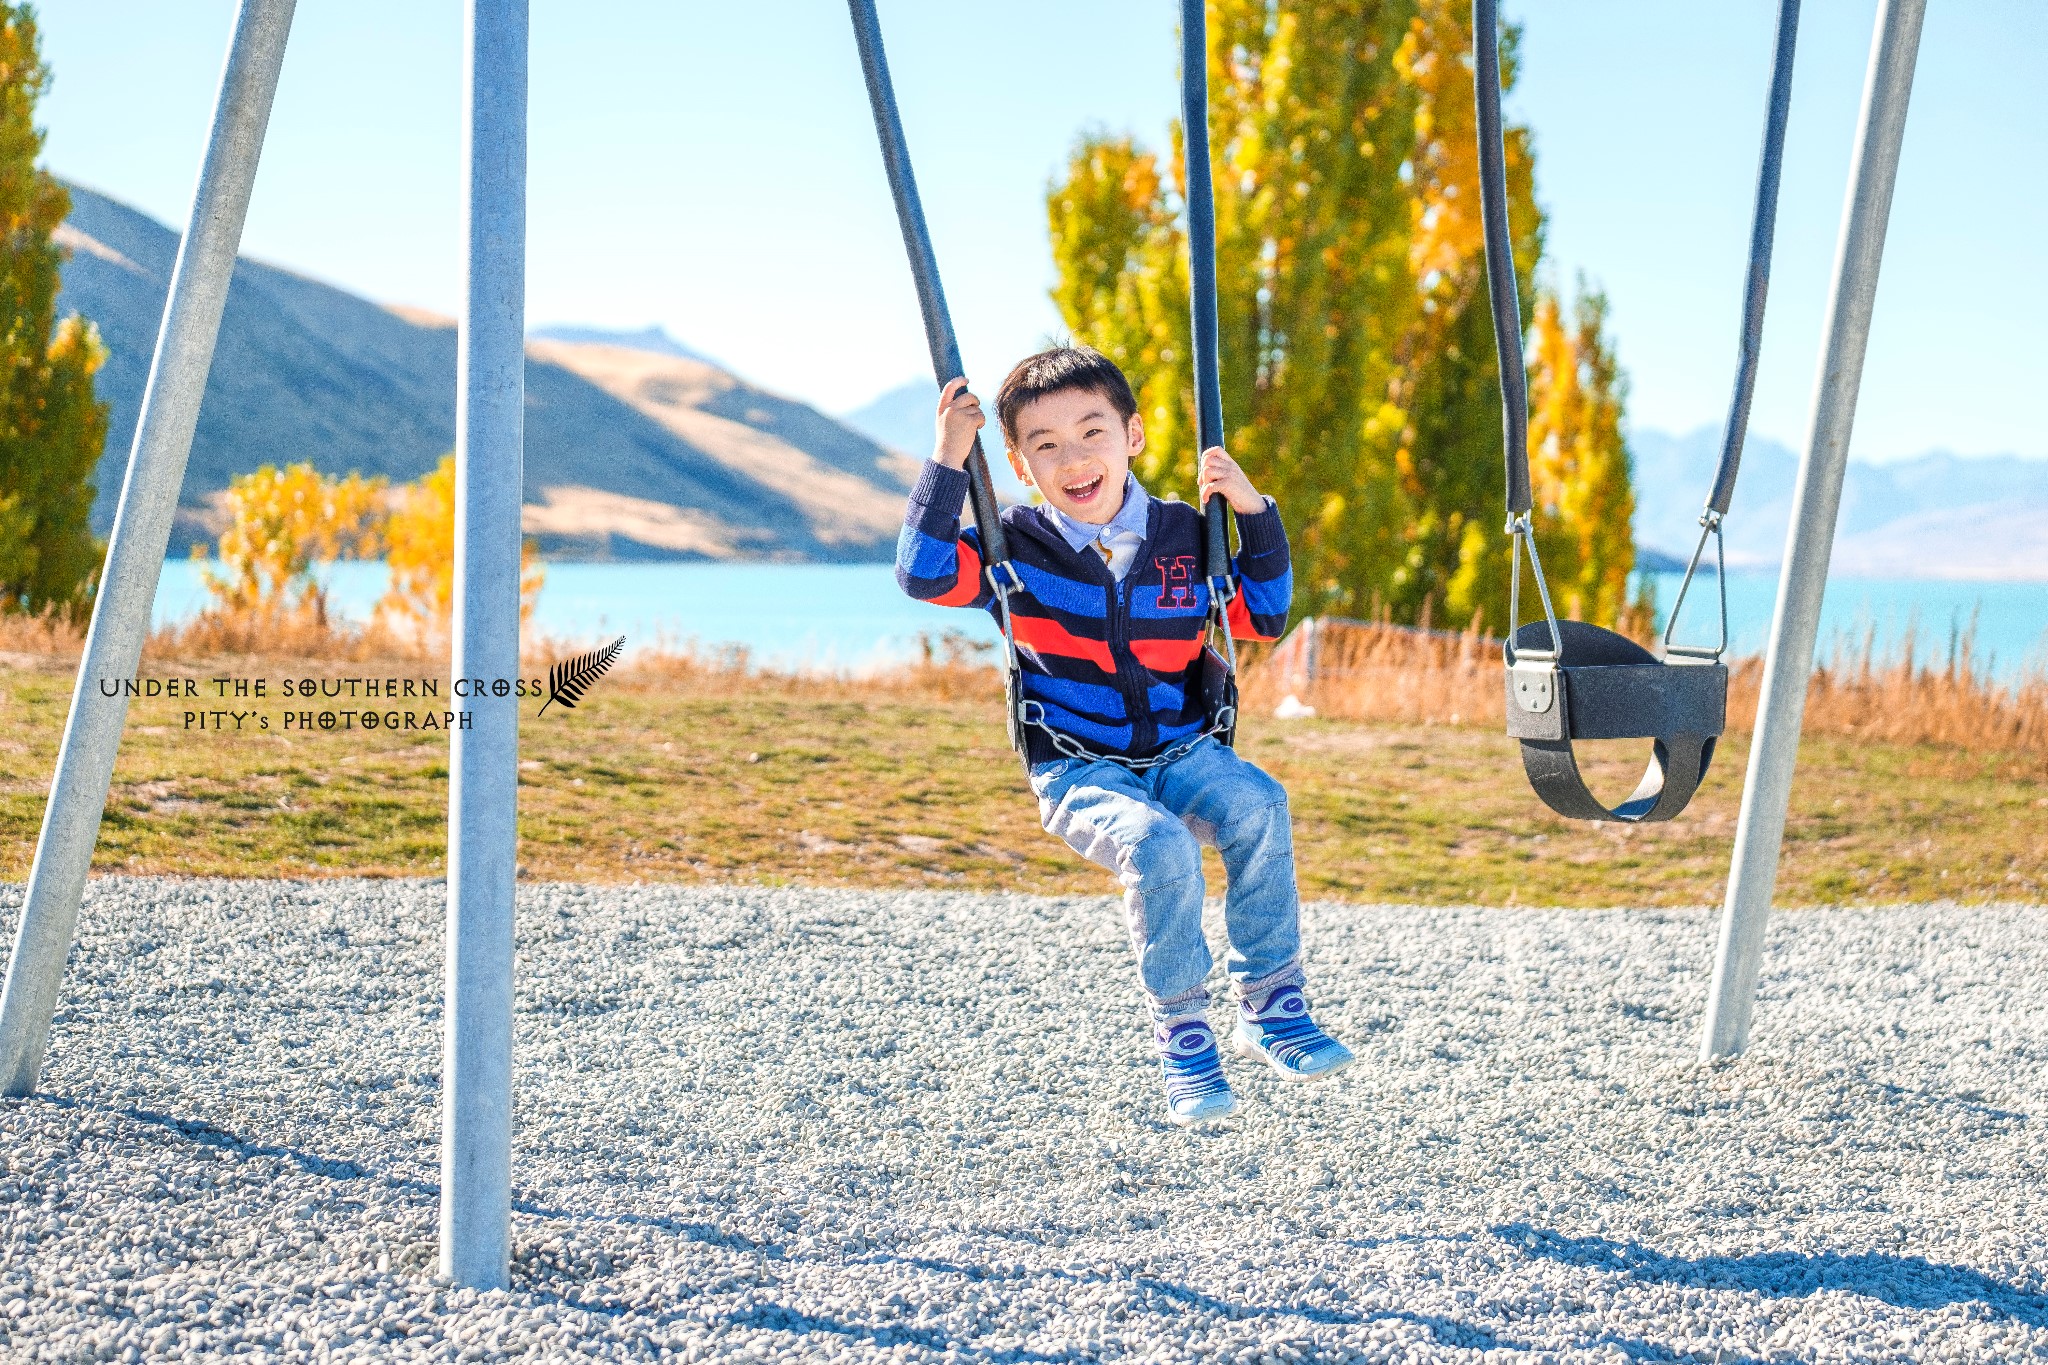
{"points": [[1935, 516], [901, 419], [631, 453], [651, 339]]}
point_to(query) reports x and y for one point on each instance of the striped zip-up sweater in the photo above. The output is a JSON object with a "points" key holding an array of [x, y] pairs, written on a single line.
{"points": [[1115, 665]]}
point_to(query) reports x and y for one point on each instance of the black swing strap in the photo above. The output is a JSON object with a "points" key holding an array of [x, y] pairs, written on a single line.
{"points": [[947, 366], [944, 344], [1201, 205], [1500, 256], [924, 270], [1500, 277], [1220, 692], [1762, 236]]}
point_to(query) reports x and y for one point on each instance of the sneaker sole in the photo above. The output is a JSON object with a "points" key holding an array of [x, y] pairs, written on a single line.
{"points": [[1197, 1120], [1246, 1048]]}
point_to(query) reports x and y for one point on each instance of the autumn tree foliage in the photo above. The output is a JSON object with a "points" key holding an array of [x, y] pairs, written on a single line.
{"points": [[1578, 467], [420, 550], [419, 536], [280, 522], [52, 427], [1360, 385]]}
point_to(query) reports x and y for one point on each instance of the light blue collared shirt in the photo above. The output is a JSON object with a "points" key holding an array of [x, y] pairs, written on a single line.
{"points": [[1122, 535]]}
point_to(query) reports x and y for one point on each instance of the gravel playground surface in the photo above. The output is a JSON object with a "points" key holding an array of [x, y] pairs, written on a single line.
{"points": [[812, 1125]]}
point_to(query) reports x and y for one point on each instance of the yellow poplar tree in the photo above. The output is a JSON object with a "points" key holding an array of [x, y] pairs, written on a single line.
{"points": [[1123, 286], [1455, 555], [52, 427], [1360, 384], [1309, 128], [1578, 461]]}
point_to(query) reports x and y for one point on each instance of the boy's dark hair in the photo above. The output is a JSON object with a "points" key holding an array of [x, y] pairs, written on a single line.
{"points": [[1071, 366]]}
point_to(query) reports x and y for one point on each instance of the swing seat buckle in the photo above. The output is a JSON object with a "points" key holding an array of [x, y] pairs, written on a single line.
{"points": [[1532, 683]]}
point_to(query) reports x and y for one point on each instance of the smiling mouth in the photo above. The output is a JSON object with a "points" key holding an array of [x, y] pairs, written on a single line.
{"points": [[1082, 492]]}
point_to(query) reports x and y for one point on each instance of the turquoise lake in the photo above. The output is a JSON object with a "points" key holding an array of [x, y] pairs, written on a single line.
{"points": [[852, 617]]}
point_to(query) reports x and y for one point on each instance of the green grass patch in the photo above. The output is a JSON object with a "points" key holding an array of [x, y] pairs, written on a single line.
{"points": [[646, 781]]}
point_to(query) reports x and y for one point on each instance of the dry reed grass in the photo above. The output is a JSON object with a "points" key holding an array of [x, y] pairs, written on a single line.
{"points": [[218, 636], [1904, 701], [289, 635], [1366, 671], [1376, 671], [51, 636], [949, 668], [1379, 672]]}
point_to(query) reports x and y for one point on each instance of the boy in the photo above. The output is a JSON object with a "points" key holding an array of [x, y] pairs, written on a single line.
{"points": [[1109, 630]]}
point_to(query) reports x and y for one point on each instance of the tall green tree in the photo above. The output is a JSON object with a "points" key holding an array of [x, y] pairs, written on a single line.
{"points": [[52, 427], [1360, 384]]}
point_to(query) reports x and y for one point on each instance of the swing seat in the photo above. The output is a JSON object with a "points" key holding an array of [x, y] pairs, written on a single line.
{"points": [[1606, 686]]}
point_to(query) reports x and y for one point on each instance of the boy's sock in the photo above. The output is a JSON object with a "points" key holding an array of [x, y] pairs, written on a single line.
{"points": [[1195, 1089], [1274, 1025]]}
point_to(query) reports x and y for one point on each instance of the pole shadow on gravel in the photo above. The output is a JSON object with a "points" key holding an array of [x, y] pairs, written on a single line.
{"points": [[203, 1134], [1901, 1281]]}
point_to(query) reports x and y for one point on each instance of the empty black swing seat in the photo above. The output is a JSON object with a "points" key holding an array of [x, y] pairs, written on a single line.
{"points": [[1609, 687]]}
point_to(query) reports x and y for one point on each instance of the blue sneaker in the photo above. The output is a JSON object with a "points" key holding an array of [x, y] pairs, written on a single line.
{"points": [[1195, 1089], [1278, 1030]]}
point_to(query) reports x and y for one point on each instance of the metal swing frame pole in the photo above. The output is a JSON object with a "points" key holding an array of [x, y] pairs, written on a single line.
{"points": [[1795, 625], [476, 1077], [142, 531]]}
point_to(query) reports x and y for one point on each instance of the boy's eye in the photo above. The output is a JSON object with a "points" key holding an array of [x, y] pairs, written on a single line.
{"points": [[1094, 431]]}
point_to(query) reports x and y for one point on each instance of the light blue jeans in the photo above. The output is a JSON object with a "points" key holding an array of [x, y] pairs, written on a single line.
{"points": [[1148, 827]]}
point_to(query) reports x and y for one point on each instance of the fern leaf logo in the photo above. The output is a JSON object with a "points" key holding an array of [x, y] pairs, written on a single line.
{"points": [[571, 678]]}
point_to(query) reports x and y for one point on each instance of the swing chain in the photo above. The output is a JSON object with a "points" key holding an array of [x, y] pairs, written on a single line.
{"points": [[1520, 527], [1026, 712], [997, 572], [1534, 671], [1710, 525]]}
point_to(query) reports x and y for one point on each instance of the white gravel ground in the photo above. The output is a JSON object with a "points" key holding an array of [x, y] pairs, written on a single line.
{"points": [[819, 1125]]}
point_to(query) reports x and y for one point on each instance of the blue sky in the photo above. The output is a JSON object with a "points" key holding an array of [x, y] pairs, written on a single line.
{"points": [[711, 168]]}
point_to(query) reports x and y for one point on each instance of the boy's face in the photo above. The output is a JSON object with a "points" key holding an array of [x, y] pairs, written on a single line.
{"points": [[1074, 449]]}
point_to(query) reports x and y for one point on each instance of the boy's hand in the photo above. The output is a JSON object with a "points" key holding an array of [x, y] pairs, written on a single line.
{"points": [[959, 418], [1220, 474]]}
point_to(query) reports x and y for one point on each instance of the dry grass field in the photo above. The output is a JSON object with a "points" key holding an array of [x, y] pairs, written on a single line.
{"points": [[680, 768]]}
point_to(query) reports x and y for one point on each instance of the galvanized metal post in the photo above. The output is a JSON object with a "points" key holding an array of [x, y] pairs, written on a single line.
{"points": [[1774, 750], [476, 1087], [142, 531]]}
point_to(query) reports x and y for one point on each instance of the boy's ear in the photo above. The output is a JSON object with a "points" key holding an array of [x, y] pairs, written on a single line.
{"points": [[1019, 468], [1134, 434]]}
